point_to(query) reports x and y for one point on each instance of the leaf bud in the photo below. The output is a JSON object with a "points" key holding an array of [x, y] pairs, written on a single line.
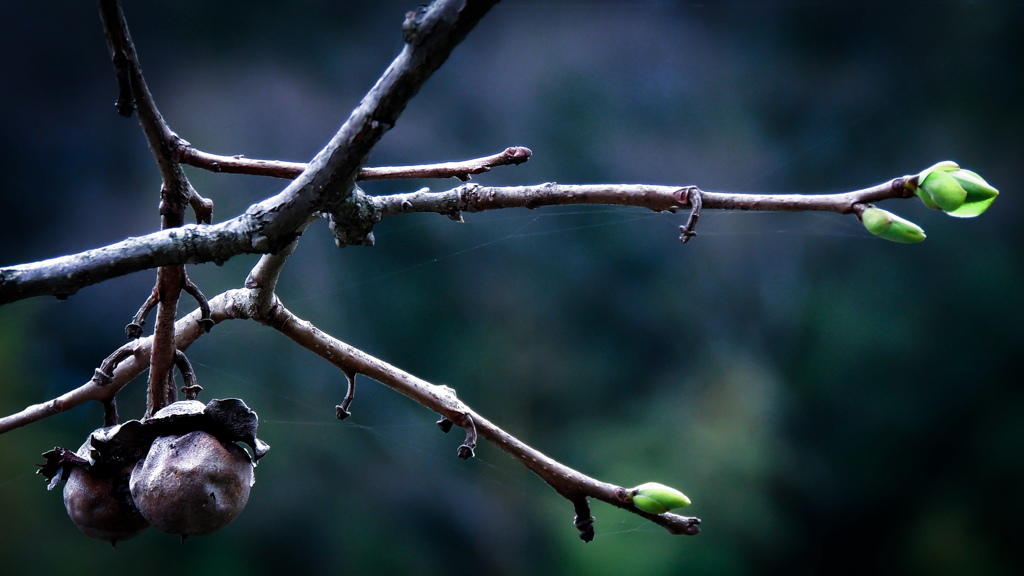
{"points": [[954, 190], [657, 498], [889, 226]]}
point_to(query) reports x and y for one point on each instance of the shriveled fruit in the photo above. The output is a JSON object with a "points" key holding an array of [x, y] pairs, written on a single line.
{"points": [[100, 504], [192, 484]]}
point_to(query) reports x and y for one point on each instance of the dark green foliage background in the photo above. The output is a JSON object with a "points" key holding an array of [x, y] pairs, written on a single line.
{"points": [[831, 402]]}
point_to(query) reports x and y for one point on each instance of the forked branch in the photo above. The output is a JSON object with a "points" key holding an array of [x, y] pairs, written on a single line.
{"points": [[253, 303]]}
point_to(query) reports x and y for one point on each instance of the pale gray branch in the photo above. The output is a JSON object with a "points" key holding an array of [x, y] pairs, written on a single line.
{"points": [[571, 484], [249, 233], [191, 243], [272, 224], [476, 198], [461, 169]]}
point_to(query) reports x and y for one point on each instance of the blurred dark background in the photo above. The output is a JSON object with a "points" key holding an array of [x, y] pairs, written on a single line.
{"points": [[832, 403]]}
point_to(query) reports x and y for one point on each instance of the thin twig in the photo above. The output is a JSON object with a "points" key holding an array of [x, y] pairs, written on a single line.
{"points": [[204, 305], [191, 388], [694, 198], [341, 411], [104, 374], [65, 275], [477, 198], [134, 328], [162, 140], [187, 154], [462, 170], [175, 194]]}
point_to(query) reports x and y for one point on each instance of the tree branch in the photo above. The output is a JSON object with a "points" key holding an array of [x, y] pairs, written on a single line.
{"points": [[568, 482], [162, 140], [175, 194], [275, 222], [248, 303], [129, 361], [186, 154], [64, 276], [477, 198], [328, 180]]}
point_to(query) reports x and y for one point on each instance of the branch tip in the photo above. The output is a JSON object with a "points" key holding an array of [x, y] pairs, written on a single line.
{"points": [[465, 421], [518, 154], [191, 389], [205, 321], [341, 410], [690, 195], [692, 527], [584, 520], [104, 375], [101, 378]]}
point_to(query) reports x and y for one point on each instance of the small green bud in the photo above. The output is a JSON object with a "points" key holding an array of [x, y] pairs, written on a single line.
{"points": [[980, 194], [889, 226], [954, 190], [657, 498], [944, 190]]}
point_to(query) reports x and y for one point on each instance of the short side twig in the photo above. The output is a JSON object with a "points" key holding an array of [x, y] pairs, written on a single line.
{"points": [[692, 196], [341, 410], [187, 154], [131, 84], [465, 421], [134, 328], [205, 322], [104, 374], [191, 389], [584, 520]]}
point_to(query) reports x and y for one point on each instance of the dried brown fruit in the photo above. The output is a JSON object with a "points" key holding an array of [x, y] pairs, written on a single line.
{"points": [[179, 470], [192, 484], [100, 503]]}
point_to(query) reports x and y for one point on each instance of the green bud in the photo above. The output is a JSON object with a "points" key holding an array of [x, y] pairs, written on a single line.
{"points": [[954, 190], [889, 226], [657, 498], [980, 194], [944, 190]]}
